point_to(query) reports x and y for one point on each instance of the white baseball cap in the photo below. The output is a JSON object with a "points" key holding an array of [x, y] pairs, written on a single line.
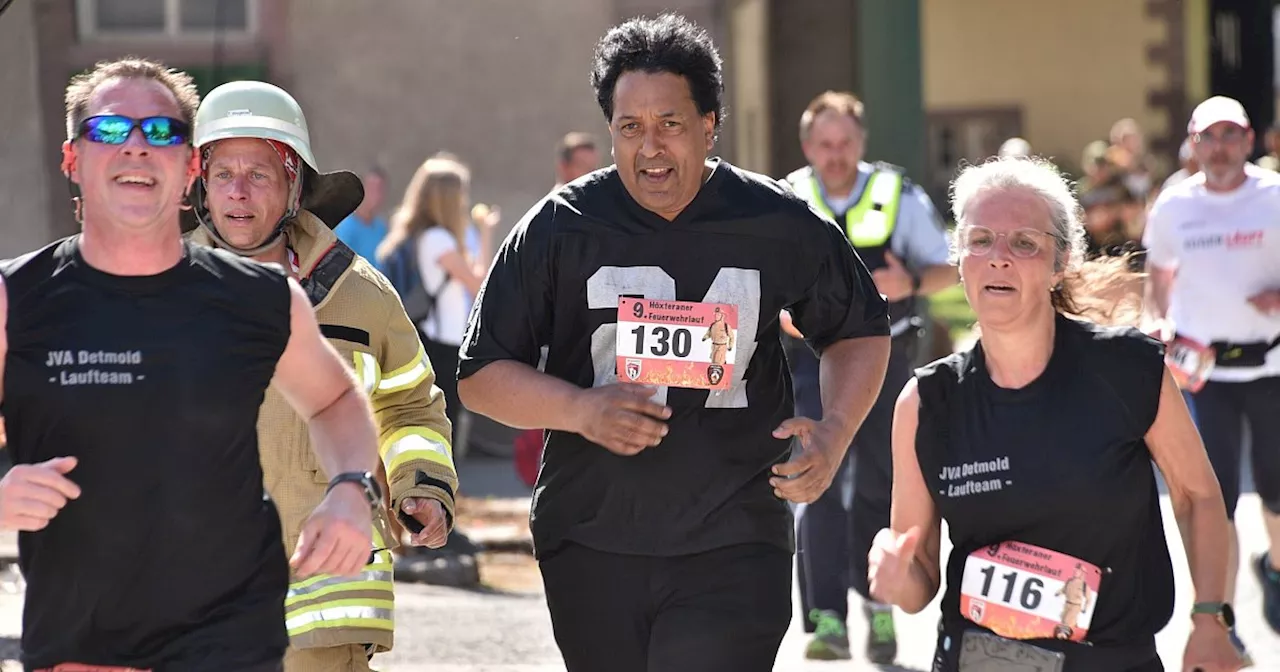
{"points": [[1217, 109]]}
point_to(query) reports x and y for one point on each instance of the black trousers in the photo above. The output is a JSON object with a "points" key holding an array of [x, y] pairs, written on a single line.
{"points": [[724, 610], [444, 361], [1221, 412], [834, 539]]}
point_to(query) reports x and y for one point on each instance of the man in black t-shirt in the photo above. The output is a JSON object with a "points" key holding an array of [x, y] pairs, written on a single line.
{"points": [[133, 366], [661, 516]]}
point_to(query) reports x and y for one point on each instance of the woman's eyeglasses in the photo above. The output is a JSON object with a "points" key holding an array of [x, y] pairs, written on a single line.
{"points": [[114, 129], [1024, 243]]}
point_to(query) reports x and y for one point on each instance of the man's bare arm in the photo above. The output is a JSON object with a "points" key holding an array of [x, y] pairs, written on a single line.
{"points": [[620, 417], [851, 373], [938, 277], [520, 396], [321, 389], [1156, 290]]}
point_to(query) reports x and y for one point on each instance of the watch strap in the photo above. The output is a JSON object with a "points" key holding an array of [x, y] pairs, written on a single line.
{"points": [[373, 492], [1222, 610]]}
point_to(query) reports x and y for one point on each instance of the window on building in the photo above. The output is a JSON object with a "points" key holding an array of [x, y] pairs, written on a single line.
{"points": [[964, 135], [165, 18]]}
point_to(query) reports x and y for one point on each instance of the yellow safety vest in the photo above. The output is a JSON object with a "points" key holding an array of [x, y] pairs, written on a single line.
{"points": [[870, 222]]}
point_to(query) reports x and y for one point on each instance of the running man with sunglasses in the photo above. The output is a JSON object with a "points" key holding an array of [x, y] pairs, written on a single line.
{"points": [[134, 365], [266, 200]]}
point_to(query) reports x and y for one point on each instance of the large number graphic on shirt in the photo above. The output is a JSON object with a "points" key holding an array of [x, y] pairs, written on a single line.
{"points": [[739, 287]]}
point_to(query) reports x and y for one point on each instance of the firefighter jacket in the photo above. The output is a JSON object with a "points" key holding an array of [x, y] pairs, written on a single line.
{"points": [[362, 317]]}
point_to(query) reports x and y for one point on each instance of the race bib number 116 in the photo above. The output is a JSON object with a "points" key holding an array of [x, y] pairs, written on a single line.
{"points": [[1020, 591], [676, 343]]}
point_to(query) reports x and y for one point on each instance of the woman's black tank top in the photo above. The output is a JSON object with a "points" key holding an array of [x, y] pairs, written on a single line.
{"points": [[153, 383], [1061, 464]]}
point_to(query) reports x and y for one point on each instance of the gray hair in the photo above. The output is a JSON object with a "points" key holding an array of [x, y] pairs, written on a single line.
{"points": [[1033, 175]]}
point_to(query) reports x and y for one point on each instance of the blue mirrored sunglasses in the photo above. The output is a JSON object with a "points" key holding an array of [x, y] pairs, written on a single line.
{"points": [[114, 129]]}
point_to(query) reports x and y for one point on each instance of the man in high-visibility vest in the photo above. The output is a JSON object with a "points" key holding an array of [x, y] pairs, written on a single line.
{"points": [[897, 232], [263, 197]]}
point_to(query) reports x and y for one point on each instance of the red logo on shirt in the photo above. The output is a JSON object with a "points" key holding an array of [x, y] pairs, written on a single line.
{"points": [[1232, 241], [1245, 239]]}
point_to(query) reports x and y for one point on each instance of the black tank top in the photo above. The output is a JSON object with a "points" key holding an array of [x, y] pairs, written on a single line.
{"points": [[153, 383], [1061, 464]]}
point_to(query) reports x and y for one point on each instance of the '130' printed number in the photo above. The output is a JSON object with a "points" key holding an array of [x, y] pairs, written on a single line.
{"points": [[736, 286], [678, 341]]}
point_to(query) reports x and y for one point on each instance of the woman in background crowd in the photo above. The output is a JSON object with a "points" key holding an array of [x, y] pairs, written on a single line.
{"points": [[434, 216]]}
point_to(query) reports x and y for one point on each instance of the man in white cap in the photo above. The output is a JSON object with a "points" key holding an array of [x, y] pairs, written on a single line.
{"points": [[1212, 243]]}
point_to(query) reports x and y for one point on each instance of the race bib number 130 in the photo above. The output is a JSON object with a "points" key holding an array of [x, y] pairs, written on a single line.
{"points": [[1020, 591], [676, 343]]}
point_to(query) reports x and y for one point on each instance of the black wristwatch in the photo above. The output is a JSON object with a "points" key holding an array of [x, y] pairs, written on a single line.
{"points": [[1226, 615], [372, 491]]}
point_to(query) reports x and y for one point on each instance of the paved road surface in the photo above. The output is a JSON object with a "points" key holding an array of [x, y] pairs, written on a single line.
{"points": [[447, 630], [461, 631]]}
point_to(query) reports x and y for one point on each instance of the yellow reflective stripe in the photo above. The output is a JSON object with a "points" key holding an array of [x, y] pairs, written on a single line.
{"points": [[406, 376], [387, 587], [371, 567], [864, 225], [327, 585], [378, 623], [416, 443], [815, 198], [342, 613], [367, 370], [867, 225]]}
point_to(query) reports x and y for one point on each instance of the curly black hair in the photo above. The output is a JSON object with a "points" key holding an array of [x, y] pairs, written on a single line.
{"points": [[670, 43]]}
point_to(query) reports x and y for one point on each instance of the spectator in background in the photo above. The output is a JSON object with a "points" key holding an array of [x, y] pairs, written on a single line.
{"points": [[1187, 163], [576, 156], [1015, 147], [1128, 151], [434, 216], [484, 218], [1271, 160], [1107, 200], [365, 228]]}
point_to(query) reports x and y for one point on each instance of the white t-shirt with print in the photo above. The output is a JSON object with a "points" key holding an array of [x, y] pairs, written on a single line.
{"points": [[1225, 247], [449, 319]]}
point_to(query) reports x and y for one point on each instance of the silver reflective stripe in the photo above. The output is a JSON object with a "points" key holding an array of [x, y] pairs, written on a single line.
{"points": [[900, 327], [410, 376], [410, 442], [368, 371], [378, 575], [337, 614]]}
